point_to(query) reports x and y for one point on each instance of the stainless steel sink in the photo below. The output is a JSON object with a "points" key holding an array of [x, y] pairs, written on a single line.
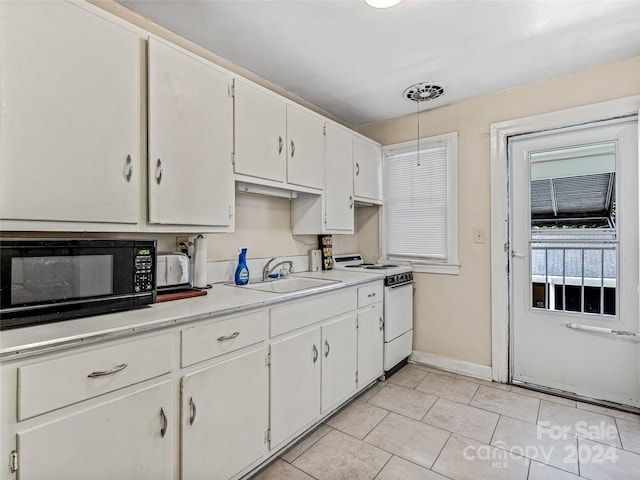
{"points": [[288, 285]]}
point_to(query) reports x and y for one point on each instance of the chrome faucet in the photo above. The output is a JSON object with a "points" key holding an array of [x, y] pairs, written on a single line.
{"points": [[268, 269]]}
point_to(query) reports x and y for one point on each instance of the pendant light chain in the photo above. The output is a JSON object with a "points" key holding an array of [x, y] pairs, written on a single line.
{"points": [[418, 136]]}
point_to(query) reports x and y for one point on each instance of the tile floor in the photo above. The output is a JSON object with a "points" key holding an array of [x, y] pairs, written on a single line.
{"points": [[424, 424]]}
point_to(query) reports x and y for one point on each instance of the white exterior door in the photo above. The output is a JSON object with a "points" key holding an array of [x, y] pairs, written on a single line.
{"points": [[574, 261]]}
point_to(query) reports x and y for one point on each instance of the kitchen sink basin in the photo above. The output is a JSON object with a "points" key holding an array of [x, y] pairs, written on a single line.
{"points": [[288, 285]]}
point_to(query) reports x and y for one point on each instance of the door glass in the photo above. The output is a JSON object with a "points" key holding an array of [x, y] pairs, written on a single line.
{"points": [[573, 229]]}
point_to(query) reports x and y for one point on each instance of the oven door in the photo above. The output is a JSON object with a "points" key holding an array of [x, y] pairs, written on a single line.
{"points": [[398, 310]]}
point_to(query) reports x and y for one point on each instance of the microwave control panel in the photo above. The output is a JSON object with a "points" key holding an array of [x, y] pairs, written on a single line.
{"points": [[143, 277]]}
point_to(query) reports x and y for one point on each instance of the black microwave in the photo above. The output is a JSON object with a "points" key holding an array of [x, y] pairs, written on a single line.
{"points": [[44, 281]]}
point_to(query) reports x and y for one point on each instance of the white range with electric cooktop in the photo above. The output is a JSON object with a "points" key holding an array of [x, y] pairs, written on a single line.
{"points": [[398, 306]]}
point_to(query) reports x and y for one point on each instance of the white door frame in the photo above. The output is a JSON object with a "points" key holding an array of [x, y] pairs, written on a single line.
{"points": [[500, 208]]}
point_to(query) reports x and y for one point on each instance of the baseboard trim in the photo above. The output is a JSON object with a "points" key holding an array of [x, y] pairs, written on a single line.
{"points": [[448, 364]]}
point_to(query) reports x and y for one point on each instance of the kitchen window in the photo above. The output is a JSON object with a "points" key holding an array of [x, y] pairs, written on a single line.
{"points": [[420, 224]]}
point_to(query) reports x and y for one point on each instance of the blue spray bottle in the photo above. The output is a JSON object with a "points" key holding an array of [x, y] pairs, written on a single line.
{"points": [[242, 272]]}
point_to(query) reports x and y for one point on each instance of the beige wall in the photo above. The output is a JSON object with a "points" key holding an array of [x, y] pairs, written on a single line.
{"points": [[453, 313]]}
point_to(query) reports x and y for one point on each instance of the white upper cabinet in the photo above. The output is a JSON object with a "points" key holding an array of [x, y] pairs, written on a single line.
{"points": [[260, 132], [305, 148], [367, 165], [338, 187], [190, 178], [70, 94]]}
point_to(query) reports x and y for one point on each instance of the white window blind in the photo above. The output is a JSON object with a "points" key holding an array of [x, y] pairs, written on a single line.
{"points": [[416, 206]]}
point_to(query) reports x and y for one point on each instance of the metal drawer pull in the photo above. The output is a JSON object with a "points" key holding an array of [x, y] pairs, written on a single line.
{"points": [[164, 424], [228, 337], [371, 295], [327, 349], [315, 354], [104, 373], [192, 411], [129, 168]]}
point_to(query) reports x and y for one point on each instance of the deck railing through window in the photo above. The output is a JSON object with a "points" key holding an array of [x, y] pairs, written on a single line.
{"points": [[574, 272]]}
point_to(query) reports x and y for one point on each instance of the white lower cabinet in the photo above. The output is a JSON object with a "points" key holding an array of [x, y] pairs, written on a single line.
{"points": [[295, 384], [339, 360], [370, 343], [129, 437], [250, 383], [224, 417]]}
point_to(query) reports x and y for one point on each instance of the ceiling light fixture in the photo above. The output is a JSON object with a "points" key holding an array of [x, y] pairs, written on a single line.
{"points": [[422, 92], [382, 3]]}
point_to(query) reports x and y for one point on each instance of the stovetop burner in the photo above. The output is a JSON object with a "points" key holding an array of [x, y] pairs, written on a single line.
{"points": [[378, 267]]}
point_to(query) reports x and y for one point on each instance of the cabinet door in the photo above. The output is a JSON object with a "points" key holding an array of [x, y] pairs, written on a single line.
{"points": [[260, 120], [190, 140], [70, 88], [367, 164], [305, 148], [295, 384], [370, 344], [339, 360], [224, 417], [338, 188], [130, 437]]}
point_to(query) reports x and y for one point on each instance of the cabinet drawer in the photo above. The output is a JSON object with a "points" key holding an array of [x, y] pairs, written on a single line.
{"points": [[311, 310], [370, 294], [202, 342], [46, 386]]}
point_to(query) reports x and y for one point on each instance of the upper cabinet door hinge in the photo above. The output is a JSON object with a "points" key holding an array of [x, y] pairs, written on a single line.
{"points": [[324, 130], [267, 360], [231, 90], [14, 461], [233, 158]]}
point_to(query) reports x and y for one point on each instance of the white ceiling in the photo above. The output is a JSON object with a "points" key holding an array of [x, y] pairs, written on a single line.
{"points": [[355, 61]]}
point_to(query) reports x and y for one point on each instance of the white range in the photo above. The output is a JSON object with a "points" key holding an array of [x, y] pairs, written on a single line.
{"points": [[398, 306]]}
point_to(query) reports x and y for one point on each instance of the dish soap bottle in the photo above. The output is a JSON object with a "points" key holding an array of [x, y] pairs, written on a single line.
{"points": [[242, 272]]}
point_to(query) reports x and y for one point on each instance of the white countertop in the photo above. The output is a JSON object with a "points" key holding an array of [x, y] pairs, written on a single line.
{"points": [[220, 300]]}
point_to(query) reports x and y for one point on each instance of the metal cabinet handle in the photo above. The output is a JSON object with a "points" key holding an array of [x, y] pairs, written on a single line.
{"points": [[315, 354], [192, 411], [381, 324], [164, 423], [104, 373], [159, 171], [224, 338], [280, 145], [293, 149], [327, 349], [357, 169], [350, 202], [129, 168], [371, 295]]}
